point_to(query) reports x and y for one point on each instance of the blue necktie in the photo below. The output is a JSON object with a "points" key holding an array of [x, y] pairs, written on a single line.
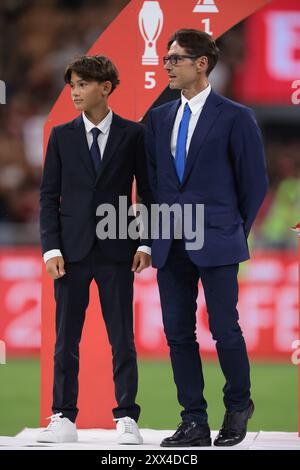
{"points": [[181, 142], [95, 151]]}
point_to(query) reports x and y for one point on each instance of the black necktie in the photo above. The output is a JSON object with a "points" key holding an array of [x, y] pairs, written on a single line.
{"points": [[95, 151]]}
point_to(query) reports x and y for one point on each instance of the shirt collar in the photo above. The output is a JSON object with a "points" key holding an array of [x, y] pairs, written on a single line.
{"points": [[197, 102], [103, 126]]}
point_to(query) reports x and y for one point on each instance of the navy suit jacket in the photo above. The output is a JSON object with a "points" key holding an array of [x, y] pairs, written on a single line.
{"points": [[225, 171], [71, 192]]}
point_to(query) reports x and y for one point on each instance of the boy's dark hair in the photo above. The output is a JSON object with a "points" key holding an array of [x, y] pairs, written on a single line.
{"points": [[197, 43], [96, 67]]}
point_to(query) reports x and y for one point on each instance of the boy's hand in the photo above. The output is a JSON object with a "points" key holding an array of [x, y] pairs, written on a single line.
{"points": [[55, 267], [141, 261]]}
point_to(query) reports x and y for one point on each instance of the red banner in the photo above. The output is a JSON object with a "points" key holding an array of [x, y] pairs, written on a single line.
{"points": [[268, 307], [271, 69], [20, 300]]}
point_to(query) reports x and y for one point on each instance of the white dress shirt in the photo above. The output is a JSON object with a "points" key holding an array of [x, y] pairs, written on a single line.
{"points": [[104, 127], [196, 105]]}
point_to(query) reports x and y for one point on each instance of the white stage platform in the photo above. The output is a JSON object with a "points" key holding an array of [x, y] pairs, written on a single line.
{"points": [[102, 439]]}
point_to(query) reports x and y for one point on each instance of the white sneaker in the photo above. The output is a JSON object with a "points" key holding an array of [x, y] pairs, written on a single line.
{"points": [[58, 430], [128, 431]]}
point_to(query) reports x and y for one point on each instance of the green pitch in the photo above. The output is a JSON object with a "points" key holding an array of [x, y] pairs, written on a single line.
{"points": [[274, 391]]}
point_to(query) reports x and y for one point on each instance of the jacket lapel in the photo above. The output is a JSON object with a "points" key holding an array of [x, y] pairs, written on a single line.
{"points": [[166, 134], [116, 134], [115, 137], [209, 114], [81, 145]]}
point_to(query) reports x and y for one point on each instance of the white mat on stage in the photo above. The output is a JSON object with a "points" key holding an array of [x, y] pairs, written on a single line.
{"points": [[103, 439]]}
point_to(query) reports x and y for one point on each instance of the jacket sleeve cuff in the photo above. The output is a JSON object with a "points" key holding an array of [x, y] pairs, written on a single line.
{"points": [[145, 249], [51, 254]]}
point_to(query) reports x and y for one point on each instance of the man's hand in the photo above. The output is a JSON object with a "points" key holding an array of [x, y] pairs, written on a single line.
{"points": [[141, 261], [55, 267]]}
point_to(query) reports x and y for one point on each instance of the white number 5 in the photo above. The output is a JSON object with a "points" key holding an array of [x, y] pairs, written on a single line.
{"points": [[150, 81]]}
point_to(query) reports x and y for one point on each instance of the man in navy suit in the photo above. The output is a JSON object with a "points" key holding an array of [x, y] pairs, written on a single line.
{"points": [[92, 161], [204, 149]]}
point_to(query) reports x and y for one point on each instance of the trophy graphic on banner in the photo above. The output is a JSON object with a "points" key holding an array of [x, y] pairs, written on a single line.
{"points": [[150, 23], [205, 6]]}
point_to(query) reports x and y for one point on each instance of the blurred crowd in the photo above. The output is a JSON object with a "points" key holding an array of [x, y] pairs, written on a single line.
{"points": [[38, 38]]}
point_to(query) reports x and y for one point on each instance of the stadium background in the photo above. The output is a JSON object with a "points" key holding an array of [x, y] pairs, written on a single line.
{"points": [[38, 39]]}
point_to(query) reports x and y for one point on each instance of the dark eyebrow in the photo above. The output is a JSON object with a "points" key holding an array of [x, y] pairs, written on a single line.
{"points": [[78, 81]]}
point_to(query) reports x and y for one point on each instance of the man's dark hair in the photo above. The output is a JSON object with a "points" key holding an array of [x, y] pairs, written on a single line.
{"points": [[197, 43], [97, 68]]}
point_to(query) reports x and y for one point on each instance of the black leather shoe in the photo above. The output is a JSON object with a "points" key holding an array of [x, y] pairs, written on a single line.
{"points": [[234, 428], [189, 433]]}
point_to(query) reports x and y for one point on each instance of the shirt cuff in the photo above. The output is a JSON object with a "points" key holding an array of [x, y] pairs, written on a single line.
{"points": [[51, 254], [145, 249]]}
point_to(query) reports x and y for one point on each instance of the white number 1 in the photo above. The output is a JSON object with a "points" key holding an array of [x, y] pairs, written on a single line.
{"points": [[206, 22]]}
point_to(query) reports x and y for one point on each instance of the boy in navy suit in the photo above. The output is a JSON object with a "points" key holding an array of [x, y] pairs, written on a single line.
{"points": [[90, 161]]}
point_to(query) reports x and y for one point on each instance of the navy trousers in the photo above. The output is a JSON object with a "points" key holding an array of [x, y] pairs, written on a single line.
{"points": [[178, 286], [115, 284]]}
